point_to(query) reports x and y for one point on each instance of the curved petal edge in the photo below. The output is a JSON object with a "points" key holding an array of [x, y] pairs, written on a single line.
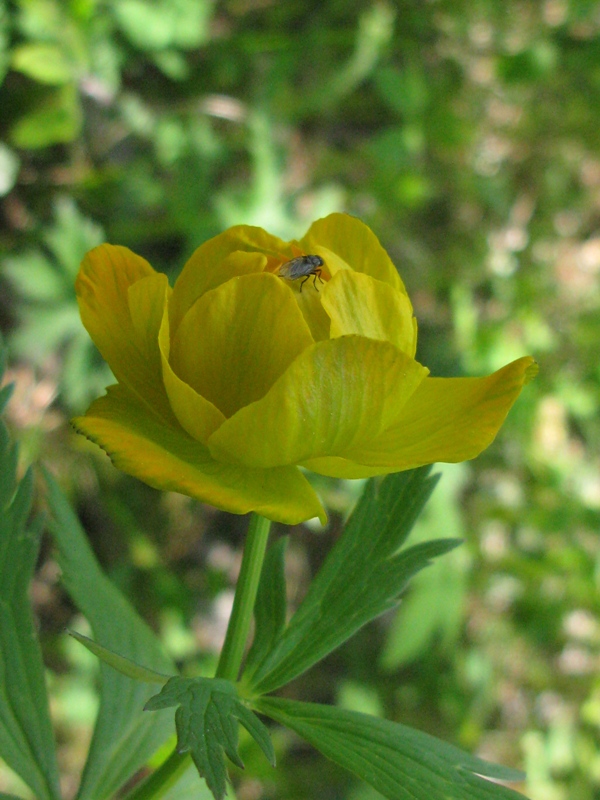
{"points": [[167, 458]]}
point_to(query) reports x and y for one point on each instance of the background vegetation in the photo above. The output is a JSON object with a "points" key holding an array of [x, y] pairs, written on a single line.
{"points": [[466, 135]]}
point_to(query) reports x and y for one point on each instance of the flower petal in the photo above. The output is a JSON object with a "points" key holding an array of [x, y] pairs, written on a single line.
{"points": [[354, 243], [335, 467], [238, 251], [309, 303], [447, 419], [358, 303], [196, 415], [332, 262], [336, 395], [236, 340], [166, 458], [121, 300]]}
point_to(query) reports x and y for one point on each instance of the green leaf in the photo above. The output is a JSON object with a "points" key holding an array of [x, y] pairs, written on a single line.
{"points": [[41, 280], [26, 739], [44, 329], [191, 786], [5, 391], [432, 611], [123, 665], [207, 717], [405, 91], [5, 25], [56, 119], [70, 237], [43, 62], [124, 738], [9, 169], [270, 606], [400, 762], [34, 277], [166, 23], [49, 318], [361, 578]]}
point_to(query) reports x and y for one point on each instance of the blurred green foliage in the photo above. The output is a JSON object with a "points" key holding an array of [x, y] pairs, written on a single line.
{"points": [[466, 135]]}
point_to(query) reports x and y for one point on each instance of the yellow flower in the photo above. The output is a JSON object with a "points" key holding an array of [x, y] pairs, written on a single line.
{"points": [[239, 375]]}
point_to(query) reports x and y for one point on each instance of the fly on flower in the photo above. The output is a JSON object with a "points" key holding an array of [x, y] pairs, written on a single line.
{"points": [[274, 386], [302, 267]]}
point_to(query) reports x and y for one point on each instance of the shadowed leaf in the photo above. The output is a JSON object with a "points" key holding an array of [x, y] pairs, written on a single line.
{"points": [[400, 762], [206, 719]]}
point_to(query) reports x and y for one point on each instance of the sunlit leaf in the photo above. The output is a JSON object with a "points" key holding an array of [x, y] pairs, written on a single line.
{"points": [[159, 25], [9, 168], [46, 63]]}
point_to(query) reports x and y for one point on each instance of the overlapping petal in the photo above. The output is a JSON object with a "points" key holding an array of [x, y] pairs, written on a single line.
{"points": [[338, 467], [164, 456], [447, 419], [240, 250], [336, 396], [236, 340], [356, 244], [358, 303], [309, 303], [121, 299], [196, 415]]}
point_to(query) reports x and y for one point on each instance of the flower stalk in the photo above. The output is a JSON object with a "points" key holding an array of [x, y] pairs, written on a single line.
{"points": [[238, 629], [232, 654], [156, 785]]}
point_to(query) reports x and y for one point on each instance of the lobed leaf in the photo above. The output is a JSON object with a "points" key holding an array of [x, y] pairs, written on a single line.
{"points": [[26, 739], [400, 762], [125, 666], [362, 577], [124, 738], [207, 717], [433, 609]]}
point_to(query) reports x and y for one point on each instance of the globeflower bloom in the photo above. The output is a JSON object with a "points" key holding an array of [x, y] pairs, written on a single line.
{"points": [[249, 369]]}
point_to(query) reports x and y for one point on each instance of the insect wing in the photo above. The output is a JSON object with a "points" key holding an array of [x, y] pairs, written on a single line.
{"points": [[300, 267], [296, 268]]}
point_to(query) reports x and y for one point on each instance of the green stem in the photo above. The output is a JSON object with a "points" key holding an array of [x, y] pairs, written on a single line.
{"points": [[230, 661], [161, 780], [243, 603]]}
